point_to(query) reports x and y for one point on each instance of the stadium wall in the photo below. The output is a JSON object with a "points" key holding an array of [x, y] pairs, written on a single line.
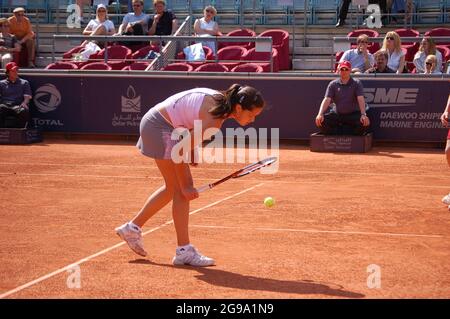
{"points": [[401, 109]]}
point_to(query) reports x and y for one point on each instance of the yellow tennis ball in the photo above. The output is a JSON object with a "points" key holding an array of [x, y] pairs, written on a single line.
{"points": [[269, 201]]}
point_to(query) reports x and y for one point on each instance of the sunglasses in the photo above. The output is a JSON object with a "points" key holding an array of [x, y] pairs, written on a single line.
{"points": [[210, 11], [136, 5], [390, 38], [20, 14], [429, 63], [344, 69], [363, 42]]}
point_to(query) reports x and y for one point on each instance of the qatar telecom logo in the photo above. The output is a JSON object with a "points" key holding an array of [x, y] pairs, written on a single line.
{"points": [[47, 98], [131, 103]]}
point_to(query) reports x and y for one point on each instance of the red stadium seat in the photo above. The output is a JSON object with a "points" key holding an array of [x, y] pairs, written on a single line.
{"points": [[143, 52], [211, 67], [96, 66], [252, 55], [248, 67], [280, 41], [373, 46], [117, 56], [69, 54], [411, 47], [136, 66], [445, 51], [239, 33], [184, 67], [439, 32], [62, 66], [231, 53]]}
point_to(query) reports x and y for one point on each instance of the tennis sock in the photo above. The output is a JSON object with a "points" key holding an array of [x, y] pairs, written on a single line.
{"points": [[134, 226], [182, 249]]}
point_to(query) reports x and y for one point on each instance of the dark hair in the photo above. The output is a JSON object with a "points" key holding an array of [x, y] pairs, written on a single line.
{"points": [[247, 96]]}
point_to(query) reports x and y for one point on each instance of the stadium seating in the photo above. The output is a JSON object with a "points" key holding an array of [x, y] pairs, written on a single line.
{"points": [[181, 66], [96, 66], [136, 66], [430, 11], [117, 56], [439, 32], [208, 53], [211, 67], [248, 67], [231, 53], [280, 41], [143, 52], [252, 55], [239, 33], [62, 66]]}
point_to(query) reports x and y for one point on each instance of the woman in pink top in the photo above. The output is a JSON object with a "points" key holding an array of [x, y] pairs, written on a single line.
{"points": [[212, 108]]}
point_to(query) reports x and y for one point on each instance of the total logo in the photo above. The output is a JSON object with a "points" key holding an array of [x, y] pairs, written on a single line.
{"points": [[47, 98]]}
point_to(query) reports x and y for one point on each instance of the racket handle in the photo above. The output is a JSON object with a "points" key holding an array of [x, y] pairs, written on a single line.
{"points": [[203, 188]]}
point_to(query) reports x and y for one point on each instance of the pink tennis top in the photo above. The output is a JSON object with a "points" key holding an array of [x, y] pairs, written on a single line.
{"points": [[184, 107]]}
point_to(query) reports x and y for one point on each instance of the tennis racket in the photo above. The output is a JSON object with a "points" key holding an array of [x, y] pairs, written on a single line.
{"points": [[239, 173]]}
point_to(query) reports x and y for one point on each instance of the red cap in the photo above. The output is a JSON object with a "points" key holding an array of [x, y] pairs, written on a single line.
{"points": [[345, 64], [12, 66]]}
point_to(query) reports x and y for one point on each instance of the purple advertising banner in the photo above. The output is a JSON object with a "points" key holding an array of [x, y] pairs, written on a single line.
{"points": [[400, 109]]}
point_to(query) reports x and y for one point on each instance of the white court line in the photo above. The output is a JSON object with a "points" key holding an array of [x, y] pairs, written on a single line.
{"points": [[315, 231], [104, 251]]}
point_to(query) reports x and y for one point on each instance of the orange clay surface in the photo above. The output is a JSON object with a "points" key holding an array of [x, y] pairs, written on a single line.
{"points": [[335, 215]]}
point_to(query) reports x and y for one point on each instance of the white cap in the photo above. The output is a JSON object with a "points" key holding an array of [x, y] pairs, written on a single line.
{"points": [[101, 5]]}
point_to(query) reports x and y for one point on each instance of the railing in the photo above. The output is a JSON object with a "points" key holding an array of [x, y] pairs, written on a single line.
{"points": [[167, 54]]}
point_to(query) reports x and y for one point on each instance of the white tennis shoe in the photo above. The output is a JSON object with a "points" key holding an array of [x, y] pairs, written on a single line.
{"points": [[446, 199], [133, 237], [191, 256]]}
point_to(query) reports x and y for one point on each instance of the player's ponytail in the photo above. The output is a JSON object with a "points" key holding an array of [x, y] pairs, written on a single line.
{"points": [[247, 96]]}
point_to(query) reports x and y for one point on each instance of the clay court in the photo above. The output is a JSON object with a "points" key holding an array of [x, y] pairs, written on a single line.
{"points": [[335, 215]]}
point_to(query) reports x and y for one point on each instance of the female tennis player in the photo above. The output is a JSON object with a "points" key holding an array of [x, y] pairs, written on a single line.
{"points": [[241, 103], [445, 120]]}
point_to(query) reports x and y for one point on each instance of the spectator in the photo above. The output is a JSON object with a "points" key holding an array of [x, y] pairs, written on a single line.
{"points": [[381, 58], [393, 45], [8, 43], [101, 25], [135, 23], [426, 48], [81, 4], [360, 58], [431, 65], [400, 6], [164, 21], [445, 120], [20, 26], [207, 27], [15, 94], [350, 107]]}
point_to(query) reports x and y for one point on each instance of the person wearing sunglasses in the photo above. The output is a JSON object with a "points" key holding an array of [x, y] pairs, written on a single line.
{"points": [[393, 46], [207, 27], [445, 123], [8, 43], [134, 23], [427, 47], [431, 65], [360, 57], [164, 21], [20, 26], [101, 25], [349, 114]]}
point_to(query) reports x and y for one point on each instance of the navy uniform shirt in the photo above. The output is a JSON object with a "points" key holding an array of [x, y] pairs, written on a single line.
{"points": [[13, 92], [345, 96]]}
